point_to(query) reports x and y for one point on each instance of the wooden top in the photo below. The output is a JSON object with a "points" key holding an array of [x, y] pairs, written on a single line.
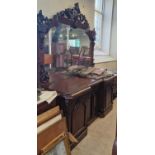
{"points": [[70, 86], [67, 85]]}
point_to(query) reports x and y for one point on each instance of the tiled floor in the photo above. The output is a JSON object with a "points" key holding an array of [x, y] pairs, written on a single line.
{"points": [[100, 138]]}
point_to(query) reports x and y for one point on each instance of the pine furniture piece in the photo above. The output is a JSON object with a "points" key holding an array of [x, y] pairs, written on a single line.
{"points": [[52, 135]]}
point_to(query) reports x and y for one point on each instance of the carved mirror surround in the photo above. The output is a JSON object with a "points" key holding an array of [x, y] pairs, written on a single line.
{"points": [[64, 40]]}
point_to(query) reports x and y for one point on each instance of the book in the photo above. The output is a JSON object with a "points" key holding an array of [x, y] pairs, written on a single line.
{"points": [[47, 96], [99, 71]]}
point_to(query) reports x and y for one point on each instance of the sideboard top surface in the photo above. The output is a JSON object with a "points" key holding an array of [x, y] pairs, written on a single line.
{"points": [[68, 85]]}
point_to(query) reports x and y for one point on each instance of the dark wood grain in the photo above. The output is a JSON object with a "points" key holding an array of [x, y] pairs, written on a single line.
{"points": [[81, 100], [115, 87], [105, 96], [44, 106], [68, 85]]}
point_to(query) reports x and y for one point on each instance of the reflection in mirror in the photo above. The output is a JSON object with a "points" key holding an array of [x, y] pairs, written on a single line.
{"points": [[79, 36], [46, 44], [66, 45]]}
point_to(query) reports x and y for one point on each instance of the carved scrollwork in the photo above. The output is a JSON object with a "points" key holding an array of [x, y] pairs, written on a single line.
{"points": [[43, 26], [43, 23], [91, 35], [70, 13], [81, 22], [69, 16]]}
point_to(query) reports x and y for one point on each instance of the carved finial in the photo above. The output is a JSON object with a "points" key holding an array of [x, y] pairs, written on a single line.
{"points": [[76, 6], [40, 12]]}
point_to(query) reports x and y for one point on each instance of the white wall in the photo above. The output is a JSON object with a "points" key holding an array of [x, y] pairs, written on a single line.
{"points": [[107, 18], [113, 46], [111, 65], [51, 7]]}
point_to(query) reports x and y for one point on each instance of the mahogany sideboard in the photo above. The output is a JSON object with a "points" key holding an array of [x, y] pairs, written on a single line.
{"points": [[82, 100]]}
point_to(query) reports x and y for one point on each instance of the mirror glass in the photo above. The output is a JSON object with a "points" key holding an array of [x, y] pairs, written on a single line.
{"points": [[66, 44]]}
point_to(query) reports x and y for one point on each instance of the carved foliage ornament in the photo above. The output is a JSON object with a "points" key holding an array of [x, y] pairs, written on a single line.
{"points": [[70, 16]]}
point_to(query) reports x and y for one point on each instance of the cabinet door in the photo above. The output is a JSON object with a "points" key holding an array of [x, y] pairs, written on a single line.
{"points": [[115, 87], [81, 113], [105, 97], [91, 109], [78, 118], [108, 95]]}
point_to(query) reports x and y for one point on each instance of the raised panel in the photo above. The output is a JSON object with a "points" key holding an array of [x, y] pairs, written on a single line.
{"points": [[93, 104], [108, 96], [78, 115], [88, 109], [105, 97]]}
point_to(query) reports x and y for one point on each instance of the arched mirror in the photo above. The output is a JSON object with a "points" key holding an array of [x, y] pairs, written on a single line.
{"points": [[64, 40]]}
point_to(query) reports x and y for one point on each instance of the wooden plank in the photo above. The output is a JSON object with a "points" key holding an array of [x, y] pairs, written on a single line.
{"points": [[72, 138], [50, 133], [48, 123], [47, 115], [52, 143]]}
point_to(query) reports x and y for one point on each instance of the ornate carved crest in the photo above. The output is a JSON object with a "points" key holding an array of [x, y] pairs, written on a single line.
{"points": [[69, 16], [43, 26]]}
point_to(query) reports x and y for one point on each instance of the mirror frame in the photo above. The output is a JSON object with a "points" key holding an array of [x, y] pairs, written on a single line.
{"points": [[70, 16]]}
